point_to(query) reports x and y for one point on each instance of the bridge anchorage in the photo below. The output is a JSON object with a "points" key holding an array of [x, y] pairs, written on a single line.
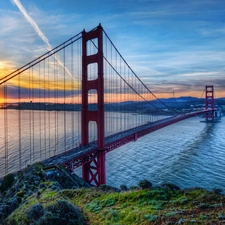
{"points": [[48, 112]]}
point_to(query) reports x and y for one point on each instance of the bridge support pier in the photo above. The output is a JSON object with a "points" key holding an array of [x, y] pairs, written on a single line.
{"points": [[101, 167], [209, 102], [93, 171]]}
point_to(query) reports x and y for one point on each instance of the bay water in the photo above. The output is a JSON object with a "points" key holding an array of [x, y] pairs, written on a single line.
{"points": [[189, 153]]}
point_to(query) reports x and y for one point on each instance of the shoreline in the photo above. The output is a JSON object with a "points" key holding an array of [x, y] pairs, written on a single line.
{"points": [[34, 196]]}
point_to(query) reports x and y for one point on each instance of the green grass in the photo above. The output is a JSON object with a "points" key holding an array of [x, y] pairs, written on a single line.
{"points": [[109, 206], [148, 206]]}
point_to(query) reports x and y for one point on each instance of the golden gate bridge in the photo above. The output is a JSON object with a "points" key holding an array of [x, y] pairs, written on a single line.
{"points": [[77, 102]]}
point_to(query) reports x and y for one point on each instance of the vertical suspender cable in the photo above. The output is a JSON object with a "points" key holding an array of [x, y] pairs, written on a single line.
{"points": [[19, 122], [64, 96], [6, 128], [44, 102], [78, 99], [39, 109], [105, 81], [55, 102], [32, 108], [111, 93], [49, 118], [30, 127], [72, 98]]}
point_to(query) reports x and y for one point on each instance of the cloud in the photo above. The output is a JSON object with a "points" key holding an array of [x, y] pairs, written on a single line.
{"points": [[18, 42], [33, 23], [166, 43], [39, 32]]}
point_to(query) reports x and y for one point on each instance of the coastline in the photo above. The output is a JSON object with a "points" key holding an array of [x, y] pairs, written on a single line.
{"points": [[36, 198]]}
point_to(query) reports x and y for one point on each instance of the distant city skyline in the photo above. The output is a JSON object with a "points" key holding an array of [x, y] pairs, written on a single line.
{"points": [[176, 47]]}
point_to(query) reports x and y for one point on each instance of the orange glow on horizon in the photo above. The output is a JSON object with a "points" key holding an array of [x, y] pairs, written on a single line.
{"points": [[38, 80], [34, 80], [109, 98]]}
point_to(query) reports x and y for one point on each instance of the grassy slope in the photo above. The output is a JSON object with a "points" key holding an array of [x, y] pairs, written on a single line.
{"points": [[149, 206], [109, 206]]}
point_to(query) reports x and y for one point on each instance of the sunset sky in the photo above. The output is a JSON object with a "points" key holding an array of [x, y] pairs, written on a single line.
{"points": [[174, 46]]}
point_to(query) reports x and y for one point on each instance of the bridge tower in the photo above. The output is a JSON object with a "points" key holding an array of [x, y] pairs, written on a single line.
{"points": [[94, 170], [209, 102]]}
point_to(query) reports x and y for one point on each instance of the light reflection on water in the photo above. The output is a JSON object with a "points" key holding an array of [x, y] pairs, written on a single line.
{"points": [[29, 136]]}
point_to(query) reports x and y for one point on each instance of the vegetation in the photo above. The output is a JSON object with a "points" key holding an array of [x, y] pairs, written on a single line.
{"points": [[7, 182], [144, 184], [51, 203]]}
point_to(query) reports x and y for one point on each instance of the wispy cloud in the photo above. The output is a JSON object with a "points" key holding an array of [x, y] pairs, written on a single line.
{"points": [[169, 43], [33, 23], [39, 32]]}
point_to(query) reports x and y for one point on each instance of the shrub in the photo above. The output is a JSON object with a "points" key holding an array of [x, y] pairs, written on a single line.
{"points": [[203, 206], [203, 217], [217, 190], [144, 184], [108, 188], [35, 212], [169, 214], [63, 212], [20, 194], [132, 188], [168, 186], [7, 182], [150, 217], [123, 187]]}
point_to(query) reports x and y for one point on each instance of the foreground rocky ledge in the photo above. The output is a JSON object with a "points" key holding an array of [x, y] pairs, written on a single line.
{"points": [[54, 196]]}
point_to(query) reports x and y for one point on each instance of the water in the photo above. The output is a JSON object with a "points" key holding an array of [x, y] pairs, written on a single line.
{"points": [[29, 136], [33, 136], [188, 153]]}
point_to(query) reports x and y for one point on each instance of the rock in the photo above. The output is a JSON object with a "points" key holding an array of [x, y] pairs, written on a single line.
{"points": [[181, 212], [169, 186], [221, 217], [181, 221]]}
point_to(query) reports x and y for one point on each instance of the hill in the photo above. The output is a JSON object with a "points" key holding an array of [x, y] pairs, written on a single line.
{"points": [[34, 197]]}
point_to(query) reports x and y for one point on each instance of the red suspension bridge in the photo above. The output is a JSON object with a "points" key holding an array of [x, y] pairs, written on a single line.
{"points": [[77, 102]]}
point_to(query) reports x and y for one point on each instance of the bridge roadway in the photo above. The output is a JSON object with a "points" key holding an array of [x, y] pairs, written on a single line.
{"points": [[77, 156]]}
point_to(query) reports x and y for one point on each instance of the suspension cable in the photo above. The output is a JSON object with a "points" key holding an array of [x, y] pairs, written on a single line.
{"points": [[135, 73], [125, 80], [35, 62]]}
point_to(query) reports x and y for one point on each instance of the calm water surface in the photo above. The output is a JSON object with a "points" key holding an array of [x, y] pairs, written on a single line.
{"points": [[188, 154]]}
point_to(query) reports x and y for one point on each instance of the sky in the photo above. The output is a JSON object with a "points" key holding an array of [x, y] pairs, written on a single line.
{"points": [[175, 46]]}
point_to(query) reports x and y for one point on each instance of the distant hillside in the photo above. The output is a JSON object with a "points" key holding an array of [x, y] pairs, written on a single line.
{"points": [[154, 106]]}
